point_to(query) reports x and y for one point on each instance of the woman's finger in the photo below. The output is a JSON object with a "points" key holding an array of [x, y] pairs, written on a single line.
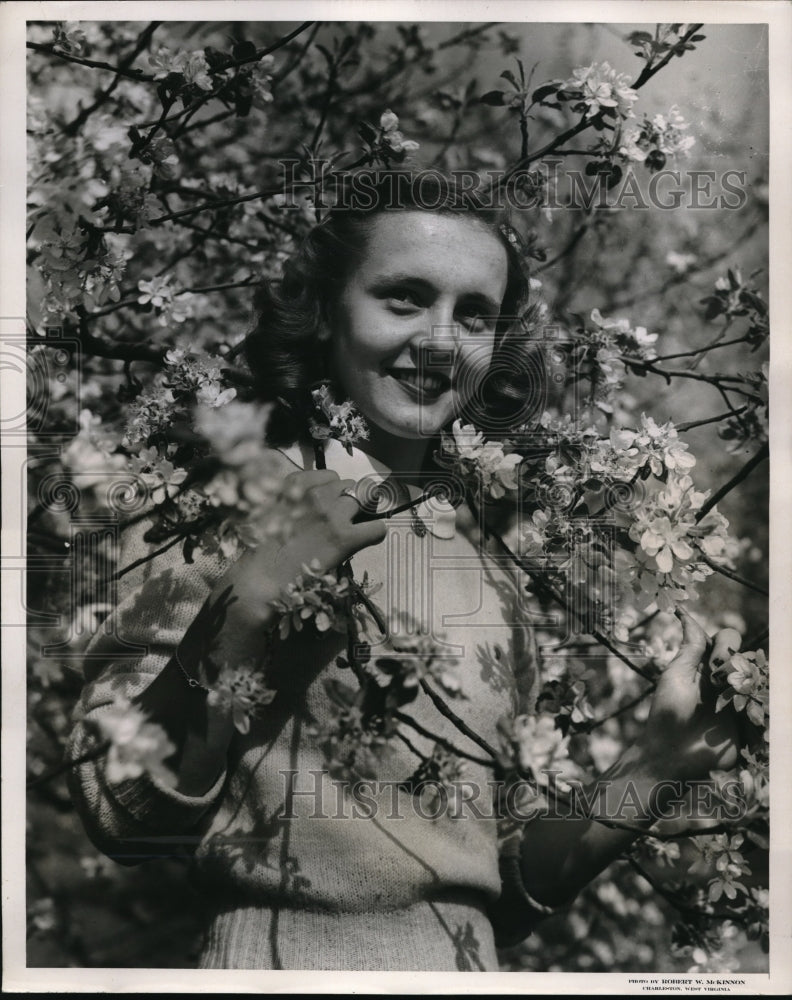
{"points": [[724, 644], [693, 648]]}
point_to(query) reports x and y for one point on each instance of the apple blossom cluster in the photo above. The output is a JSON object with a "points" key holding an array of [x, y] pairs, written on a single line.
{"points": [[186, 378], [386, 142], [598, 353], [162, 479], [599, 89], [191, 65], [79, 270], [137, 746], [536, 746], [319, 597], [485, 463], [342, 421], [656, 139], [746, 679], [417, 656], [241, 691], [172, 305]]}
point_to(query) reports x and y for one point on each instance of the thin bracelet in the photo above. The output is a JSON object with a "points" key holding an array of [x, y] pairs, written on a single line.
{"points": [[190, 680]]}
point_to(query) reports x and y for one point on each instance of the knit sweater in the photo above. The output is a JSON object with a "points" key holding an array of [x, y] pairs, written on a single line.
{"points": [[301, 874]]}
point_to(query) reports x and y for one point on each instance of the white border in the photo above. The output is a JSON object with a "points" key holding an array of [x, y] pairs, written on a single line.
{"points": [[12, 293]]}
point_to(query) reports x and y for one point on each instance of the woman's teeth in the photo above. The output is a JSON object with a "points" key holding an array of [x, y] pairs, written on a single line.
{"points": [[423, 381]]}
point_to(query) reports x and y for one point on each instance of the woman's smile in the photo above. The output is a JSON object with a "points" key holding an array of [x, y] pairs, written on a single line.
{"points": [[419, 384]]}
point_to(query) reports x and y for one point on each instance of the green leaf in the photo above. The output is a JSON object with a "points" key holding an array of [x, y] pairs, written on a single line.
{"points": [[495, 98]]}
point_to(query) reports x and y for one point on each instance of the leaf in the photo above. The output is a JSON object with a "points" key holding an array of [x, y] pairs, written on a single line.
{"points": [[342, 694], [188, 548], [244, 50], [495, 98], [544, 91], [760, 839], [508, 75]]}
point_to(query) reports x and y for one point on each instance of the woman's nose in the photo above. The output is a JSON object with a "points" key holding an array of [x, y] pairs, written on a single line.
{"points": [[436, 325]]}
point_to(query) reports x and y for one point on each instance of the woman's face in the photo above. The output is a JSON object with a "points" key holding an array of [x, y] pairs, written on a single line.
{"points": [[419, 310]]}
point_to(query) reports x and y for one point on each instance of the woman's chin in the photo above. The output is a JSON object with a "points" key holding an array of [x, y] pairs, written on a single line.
{"points": [[414, 422]]}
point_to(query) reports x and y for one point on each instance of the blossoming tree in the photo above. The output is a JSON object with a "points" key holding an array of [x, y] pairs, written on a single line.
{"points": [[158, 197]]}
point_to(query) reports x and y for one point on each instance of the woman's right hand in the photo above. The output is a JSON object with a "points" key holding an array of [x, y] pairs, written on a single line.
{"points": [[324, 533]]}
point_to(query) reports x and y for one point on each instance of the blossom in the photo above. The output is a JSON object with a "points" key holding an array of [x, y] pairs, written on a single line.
{"points": [[538, 744], [342, 421], [260, 79], [655, 139], [747, 685], [137, 746], [90, 454], [680, 262], [630, 148], [160, 152], [664, 540], [159, 474], [471, 455], [192, 65], [69, 36], [242, 692], [201, 374], [416, 655], [657, 445], [150, 413], [664, 852], [172, 304], [391, 138], [598, 89], [322, 597]]}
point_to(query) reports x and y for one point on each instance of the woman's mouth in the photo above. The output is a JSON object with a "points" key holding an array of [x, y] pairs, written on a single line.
{"points": [[421, 383]]}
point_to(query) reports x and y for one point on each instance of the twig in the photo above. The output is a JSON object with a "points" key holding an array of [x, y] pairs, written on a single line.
{"points": [[137, 75], [596, 723], [744, 472], [67, 765], [710, 420], [702, 350], [451, 715], [143, 39], [444, 743], [729, 574]]}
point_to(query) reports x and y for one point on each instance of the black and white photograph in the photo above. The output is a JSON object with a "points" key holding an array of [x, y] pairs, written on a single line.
{"points": [[388, 525]]}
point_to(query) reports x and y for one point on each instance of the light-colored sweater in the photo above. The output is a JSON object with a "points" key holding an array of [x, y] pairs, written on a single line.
{"points": [[300, 874]]}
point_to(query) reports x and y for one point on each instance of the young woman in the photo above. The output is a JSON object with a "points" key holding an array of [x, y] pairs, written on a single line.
{"points": [[403, 304]]}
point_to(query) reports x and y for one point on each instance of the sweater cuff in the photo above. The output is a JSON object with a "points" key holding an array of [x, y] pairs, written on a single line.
{"points": [[516, 913], [148, 799]]}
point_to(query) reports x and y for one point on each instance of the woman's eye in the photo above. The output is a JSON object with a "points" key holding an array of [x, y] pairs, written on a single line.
{"points": [[474, 322], [402, 299]]}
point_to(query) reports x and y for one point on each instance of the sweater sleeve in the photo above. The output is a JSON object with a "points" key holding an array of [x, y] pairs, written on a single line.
{"points": [[515, 914], [138, 818]]}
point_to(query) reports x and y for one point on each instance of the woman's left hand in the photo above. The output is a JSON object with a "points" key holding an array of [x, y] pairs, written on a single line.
{"points": [[684, 737]]}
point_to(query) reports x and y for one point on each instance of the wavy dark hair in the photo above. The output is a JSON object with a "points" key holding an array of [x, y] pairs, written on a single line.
{"points": [[285, 354]]}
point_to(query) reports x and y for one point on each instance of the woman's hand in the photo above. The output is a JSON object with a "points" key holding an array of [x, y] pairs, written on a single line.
{"points": [[325, 533], [685, 738]]}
